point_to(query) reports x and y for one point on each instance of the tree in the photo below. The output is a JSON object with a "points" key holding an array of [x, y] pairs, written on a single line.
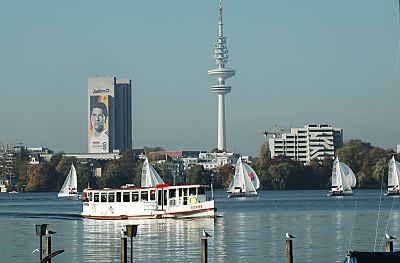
{"points": [[223, 176], [40, 178], [198, 175], [85, 177], [112, 176], [279, 175]]}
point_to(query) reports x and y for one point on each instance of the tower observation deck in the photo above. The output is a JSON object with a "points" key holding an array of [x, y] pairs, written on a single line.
{"points": [[222, 73]]}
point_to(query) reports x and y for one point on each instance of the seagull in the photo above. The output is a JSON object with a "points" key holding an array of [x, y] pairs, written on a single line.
{"points": [[205, 234], [289, 236], [49, 232], [389, 236], [36, 250], [123, 232]]}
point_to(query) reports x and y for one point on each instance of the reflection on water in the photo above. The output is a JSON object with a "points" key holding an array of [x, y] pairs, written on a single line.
{"points": [[158, 240], [248, 230]]}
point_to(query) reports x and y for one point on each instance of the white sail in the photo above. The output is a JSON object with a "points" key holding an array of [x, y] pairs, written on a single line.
{"points": [[252, 175], [349, 179], [336, 175], [150, 177], [245, 181], [70, 186], [343, 178], [393, 176]]}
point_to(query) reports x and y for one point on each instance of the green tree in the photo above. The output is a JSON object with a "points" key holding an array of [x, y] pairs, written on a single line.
{"points": [[279, 175], [85, 177], [112, 176], [223, 176], [198, 175]]}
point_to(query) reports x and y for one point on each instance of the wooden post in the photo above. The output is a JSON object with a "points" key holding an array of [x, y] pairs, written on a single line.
{"points": [[41, 248], [204, 250], [289, 251], [131, 251], [48, 247], [389, 246]]}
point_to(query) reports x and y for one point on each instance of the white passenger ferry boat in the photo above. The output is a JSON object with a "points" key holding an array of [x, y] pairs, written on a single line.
{"points": [[161, 201]]}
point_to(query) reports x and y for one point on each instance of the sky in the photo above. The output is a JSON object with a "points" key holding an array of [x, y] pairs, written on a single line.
{"points": [[297, 62]]}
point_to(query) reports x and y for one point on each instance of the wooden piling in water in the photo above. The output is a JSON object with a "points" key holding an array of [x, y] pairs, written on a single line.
{"points": [[48, 247], [124, 258], [41, 248], [289, 251], [204, 257], [389, 246]]}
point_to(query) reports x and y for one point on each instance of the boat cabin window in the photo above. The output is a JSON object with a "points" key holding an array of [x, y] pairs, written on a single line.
{"points": [[96, 197], [111, 197], [183, 192], [118, 196], [201, 191], [125, 196], [192, 191], [172, 193], [153, 195], [103, 197], [144, 196], [135, 196], [90, 196]]}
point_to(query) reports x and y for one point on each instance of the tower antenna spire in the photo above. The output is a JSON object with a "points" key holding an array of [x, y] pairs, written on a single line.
{"points": [[222, 73]]}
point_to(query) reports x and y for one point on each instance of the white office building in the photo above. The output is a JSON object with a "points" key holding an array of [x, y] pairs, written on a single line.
{"points": [[305, 144]]}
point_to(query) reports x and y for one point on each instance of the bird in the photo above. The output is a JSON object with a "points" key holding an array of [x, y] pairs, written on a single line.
{"points": [[35, 250], [389, 236], [49, 232], [289, 236], [205, 234], [123, 232]]}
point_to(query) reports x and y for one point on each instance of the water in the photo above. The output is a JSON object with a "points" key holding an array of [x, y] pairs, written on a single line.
{"points": [[247, 230]]}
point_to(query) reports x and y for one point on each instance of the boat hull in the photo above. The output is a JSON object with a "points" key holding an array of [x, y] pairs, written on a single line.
{"points": [[199, 210], [235, 195], [71, 196], [338, 193], [393, 193]]}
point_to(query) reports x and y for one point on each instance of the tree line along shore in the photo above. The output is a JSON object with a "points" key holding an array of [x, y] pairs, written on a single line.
{"points": [[369, 164]]}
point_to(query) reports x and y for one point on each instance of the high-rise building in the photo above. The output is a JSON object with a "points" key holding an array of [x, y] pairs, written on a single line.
{"points": [[109, 114], [222, 73], [305, 144]]}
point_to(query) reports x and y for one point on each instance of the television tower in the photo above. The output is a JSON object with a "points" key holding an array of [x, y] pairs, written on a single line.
{"points": [[222, 73]]}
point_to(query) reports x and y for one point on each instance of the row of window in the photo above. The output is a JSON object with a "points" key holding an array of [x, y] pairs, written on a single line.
{"points": [[146, 195]]}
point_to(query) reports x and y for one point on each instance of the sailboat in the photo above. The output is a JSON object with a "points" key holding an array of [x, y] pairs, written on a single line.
{"points": [[393, 177], [150, 177], [245, 181], [69, 188], [343, 179]]}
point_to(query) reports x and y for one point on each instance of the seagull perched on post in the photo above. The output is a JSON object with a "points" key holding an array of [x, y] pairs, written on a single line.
{"points": [[289, 236], [123, 232], [389, 236], [49, 232], [205, 234]]}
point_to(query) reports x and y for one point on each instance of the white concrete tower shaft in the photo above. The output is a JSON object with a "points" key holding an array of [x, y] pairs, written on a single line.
{"points": [[222, 73]]}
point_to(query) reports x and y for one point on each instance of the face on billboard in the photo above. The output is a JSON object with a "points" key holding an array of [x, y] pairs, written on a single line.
{"points": [[98, 127], [98, 119]]}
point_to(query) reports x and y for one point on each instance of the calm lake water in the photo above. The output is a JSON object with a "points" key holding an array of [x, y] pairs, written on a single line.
{"points": [[247, 230]]}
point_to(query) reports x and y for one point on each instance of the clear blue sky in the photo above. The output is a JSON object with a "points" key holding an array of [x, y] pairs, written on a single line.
{"points": [[297, 62]]}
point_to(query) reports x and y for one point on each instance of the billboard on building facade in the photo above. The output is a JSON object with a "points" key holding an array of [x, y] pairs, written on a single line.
{"points": [[99, 140]]}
